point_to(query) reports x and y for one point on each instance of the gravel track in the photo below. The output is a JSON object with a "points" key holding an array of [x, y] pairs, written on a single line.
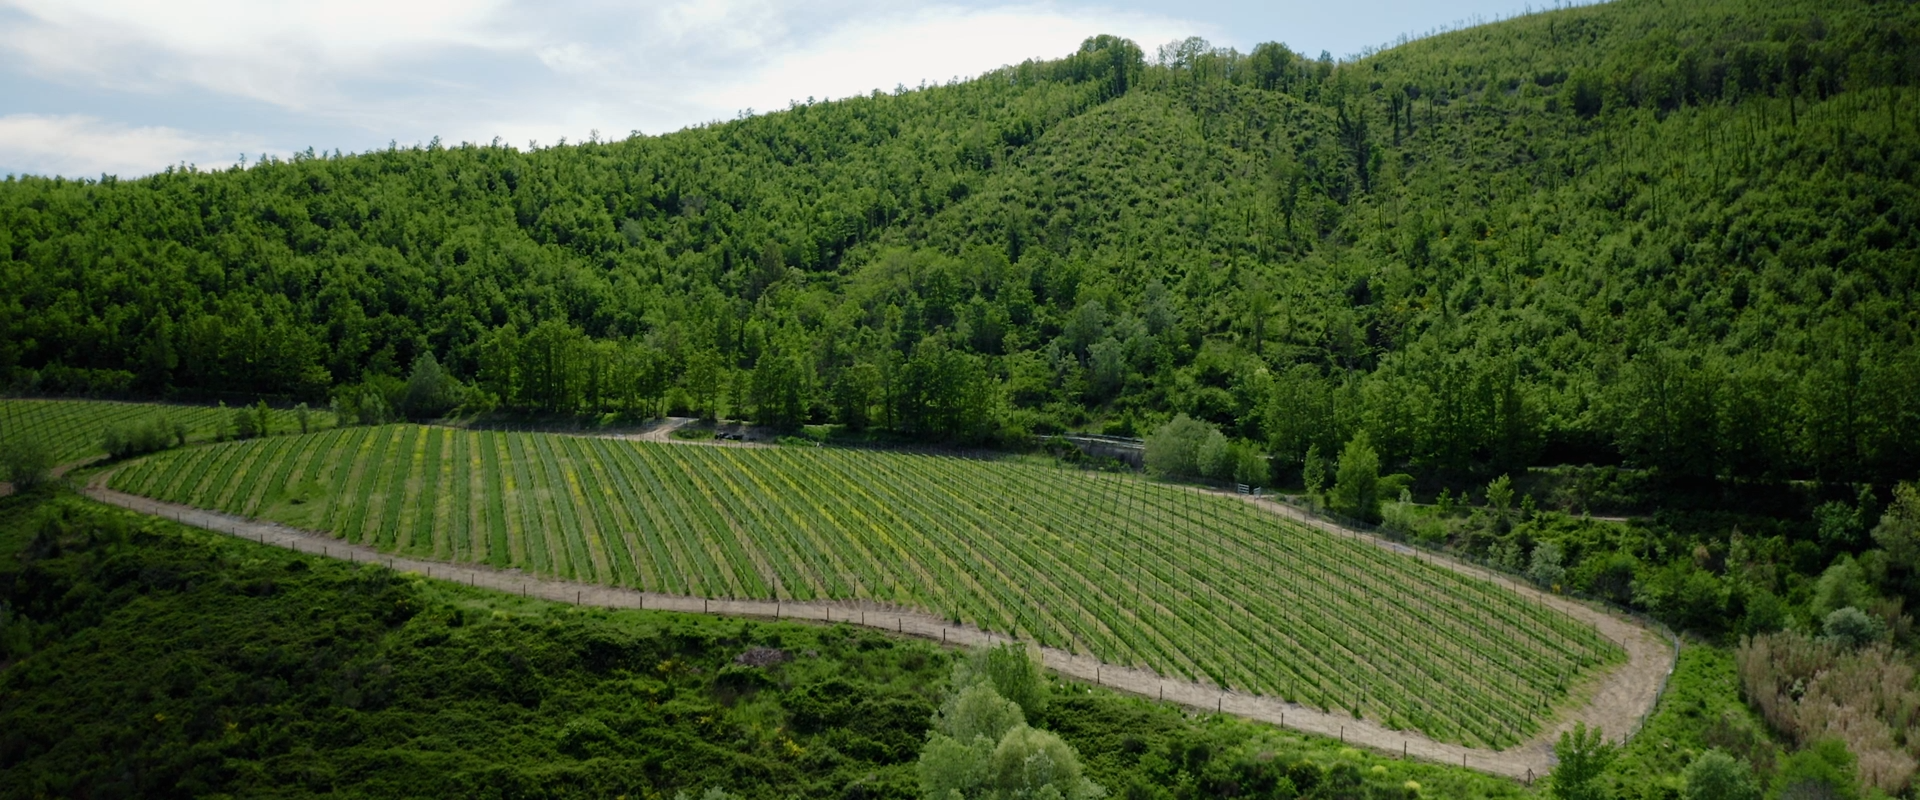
{"points": [[1618, 701]]}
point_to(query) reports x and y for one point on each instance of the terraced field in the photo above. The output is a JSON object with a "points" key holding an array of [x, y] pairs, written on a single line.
{"points": [[1137, 573], [75, 429]]}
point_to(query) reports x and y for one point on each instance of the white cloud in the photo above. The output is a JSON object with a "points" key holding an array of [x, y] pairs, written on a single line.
{"points": [[933, 44], [412, 69], [85, 146], [287, 54], [669, 71]]}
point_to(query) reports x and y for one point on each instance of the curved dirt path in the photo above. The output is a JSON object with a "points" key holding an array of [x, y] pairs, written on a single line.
{"points": [[662, 433], [1620, 701]]}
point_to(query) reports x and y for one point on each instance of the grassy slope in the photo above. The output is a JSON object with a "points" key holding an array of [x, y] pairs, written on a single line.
{"points": [[146, 659]]}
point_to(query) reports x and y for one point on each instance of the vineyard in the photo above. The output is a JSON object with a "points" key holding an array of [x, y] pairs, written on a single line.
{"points": [[74, 429], [1137, 573]]}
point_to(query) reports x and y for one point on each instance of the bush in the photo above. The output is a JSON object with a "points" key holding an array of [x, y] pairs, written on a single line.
{"points": [[26, 462], [1546, 568], [1584, 754], [1823, 770], [1718, 776], [1852, 628], [1410, 520], [151, 435]]}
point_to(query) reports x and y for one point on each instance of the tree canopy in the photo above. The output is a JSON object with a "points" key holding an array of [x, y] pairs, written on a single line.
{"points": [[1674, 235]]}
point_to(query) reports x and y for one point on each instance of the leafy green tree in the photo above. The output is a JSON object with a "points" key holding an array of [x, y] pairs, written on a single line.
{"points": [[1500, 495], [855, 392], [779, 393], [978, 711], [1250, 465], [1313, 474], [981, 745], [1898, 533], [1547, 568], [1357, 480], [1714, 775], [247, 423], [1174, 447], [1010, 670], [1584, 754], [1214, 457], [430, 391], [1842, 584], [703, 380], [1839, 524]]}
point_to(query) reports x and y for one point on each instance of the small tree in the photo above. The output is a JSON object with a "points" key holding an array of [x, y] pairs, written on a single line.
{"points": [[1500, 495], [1547, 568], [1249, 466], [304, 417], [1714, 775], [1584, 754], [1174, 449], [1313, 473], [1214, 457], [246, 424], [1899, 530], [26, 462], [1840, 524], [1011, 672], [981, 745], [430, 392], [1356, 488]]}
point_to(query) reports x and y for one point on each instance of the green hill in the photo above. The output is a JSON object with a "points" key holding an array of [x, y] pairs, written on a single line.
{"points": [[1667, 234]]}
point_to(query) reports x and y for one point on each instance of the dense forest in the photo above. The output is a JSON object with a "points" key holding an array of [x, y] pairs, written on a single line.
{"points": [[1652, 233]]}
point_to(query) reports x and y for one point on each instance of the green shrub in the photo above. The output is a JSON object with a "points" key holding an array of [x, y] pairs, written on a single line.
{"points": [[1852, 627], [152, 435], [26, 462], [1718, 776]]}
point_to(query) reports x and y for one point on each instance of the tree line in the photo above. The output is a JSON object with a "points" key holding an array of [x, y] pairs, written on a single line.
{"points": [[1559, 239]]}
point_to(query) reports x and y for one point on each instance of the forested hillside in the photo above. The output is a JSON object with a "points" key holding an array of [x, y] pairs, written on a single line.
{"points": [[1670, 234]]}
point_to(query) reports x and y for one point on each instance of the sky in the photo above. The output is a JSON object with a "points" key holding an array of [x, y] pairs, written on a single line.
{"points": [[130, 87]]}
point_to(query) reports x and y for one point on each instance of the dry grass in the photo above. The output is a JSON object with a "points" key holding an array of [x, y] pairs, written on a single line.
{"points": [[1811, 689]]}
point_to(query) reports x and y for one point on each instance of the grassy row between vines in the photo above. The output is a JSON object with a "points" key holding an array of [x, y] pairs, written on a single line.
{"points": [[1185, 583]]}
